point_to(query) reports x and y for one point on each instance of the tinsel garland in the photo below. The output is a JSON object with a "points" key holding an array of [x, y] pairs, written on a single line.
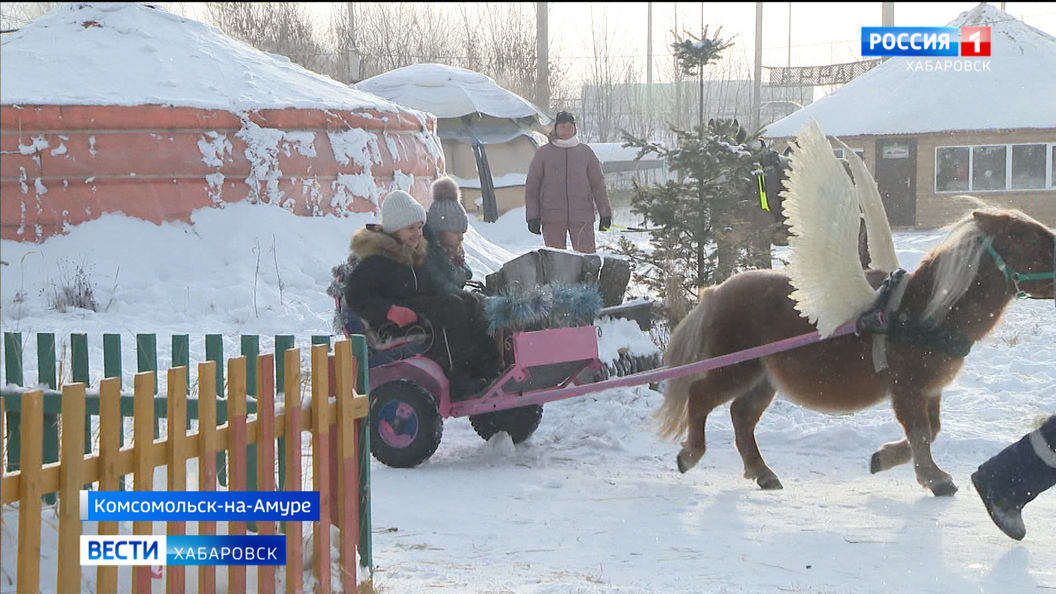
{"points": [[548, 306]]}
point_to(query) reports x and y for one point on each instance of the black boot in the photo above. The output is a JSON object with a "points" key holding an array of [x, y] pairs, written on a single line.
{"points": [[1015, 476], [464, 387]]}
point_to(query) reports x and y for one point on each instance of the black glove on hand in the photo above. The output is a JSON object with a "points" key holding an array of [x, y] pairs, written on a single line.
{"points": [[605, 224], [535, 226]]}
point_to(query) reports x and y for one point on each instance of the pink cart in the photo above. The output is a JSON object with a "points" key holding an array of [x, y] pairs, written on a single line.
{"points": [[409, 398]]}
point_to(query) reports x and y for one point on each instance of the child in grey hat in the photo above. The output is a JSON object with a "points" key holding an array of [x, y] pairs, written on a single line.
{"points": [[445, 226]]}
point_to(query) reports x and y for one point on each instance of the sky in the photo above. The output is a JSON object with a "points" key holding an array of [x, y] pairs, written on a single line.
{"points": [[592, 502], [822, 32]]}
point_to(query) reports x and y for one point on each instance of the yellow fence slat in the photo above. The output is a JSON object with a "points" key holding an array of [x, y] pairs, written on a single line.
{"points": [[143, 473], [292, 416], [109, 444], [321, 462], [176, 405], [236, 430], [71, 483], [207, 459], [29, 497]]}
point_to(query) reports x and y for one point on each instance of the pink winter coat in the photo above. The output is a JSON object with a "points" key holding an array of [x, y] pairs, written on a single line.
{"points": [[565, 185]]}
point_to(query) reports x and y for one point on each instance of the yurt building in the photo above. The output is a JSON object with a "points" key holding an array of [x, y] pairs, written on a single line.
{"points": [[126, 107]]}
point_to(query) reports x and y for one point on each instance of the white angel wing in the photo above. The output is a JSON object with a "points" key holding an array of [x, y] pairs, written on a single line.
{"points": [[881, 244], [829, 286]]}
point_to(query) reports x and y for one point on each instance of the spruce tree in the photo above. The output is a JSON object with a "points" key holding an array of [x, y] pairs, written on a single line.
{"points": [[706, 223]]}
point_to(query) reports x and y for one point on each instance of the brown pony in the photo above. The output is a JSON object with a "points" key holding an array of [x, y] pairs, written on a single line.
{"points": [[953, 299]]}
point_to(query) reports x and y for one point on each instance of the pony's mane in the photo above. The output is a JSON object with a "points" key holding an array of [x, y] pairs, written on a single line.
{"points": [[959, 252]]}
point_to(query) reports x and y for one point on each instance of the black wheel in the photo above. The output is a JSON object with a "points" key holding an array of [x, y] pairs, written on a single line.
{"points": [[520, 422], [405, 424]]}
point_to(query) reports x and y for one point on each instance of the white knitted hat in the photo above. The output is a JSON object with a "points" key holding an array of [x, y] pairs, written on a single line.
{"points": [[400, 209]]}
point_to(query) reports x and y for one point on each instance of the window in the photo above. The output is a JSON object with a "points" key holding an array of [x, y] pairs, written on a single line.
{"points": [[839, 153], [1052, 168], [1028, 166], [995, 168], [951, 170], [988, 168]]}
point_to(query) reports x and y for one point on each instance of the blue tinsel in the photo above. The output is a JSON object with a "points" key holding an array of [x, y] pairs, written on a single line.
{"points": [[549, 306]]}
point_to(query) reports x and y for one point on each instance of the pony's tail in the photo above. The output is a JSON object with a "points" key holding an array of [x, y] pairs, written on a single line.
{"points": [[688, 344]]}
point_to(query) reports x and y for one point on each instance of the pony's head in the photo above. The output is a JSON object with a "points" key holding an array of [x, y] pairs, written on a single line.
{"points": [[1019, 247], [1022, 249]]}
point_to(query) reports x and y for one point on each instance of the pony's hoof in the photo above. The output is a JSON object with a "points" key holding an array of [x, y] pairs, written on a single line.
{"points": [[874, 463], [687, 460], [769, 483], [944, 489], [682, 466]]}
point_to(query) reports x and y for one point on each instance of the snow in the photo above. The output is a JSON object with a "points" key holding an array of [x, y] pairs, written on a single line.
{"points": [[128, 53], [449, 92], [907, 95], [592, 502]]}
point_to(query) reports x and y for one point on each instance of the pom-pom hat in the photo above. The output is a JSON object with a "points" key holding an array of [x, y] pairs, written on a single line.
{"points": [[446, 212]]}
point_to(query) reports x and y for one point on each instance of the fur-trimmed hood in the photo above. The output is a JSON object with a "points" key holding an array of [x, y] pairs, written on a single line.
{"points": [[372, 241]]}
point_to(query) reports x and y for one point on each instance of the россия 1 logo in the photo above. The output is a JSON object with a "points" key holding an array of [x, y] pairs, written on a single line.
{"points": [[926, 41]]}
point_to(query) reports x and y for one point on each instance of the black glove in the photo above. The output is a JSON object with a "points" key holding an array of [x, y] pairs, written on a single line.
{"points": [[605, 224], [535, 226]]}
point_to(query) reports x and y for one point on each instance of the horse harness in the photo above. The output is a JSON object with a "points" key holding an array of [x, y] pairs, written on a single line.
{"points": [[885, 320]]}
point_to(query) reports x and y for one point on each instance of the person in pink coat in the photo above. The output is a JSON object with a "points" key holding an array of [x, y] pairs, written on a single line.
{"points": [[564, 187]]}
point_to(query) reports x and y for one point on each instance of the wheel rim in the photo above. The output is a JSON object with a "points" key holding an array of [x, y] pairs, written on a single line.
{"points": [[397, 424]]}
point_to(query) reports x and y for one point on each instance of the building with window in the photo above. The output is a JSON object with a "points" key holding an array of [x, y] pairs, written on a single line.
{"points": [[931, 129]]}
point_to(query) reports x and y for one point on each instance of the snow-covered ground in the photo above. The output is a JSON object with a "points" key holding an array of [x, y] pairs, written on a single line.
{"points": [[592, 502]]}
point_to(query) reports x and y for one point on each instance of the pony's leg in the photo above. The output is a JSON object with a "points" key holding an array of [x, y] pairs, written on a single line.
{"points": [[914, 411], [745, 411], [899, 452], [713, 390]]}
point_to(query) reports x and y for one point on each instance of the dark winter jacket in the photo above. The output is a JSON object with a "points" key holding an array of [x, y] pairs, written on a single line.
{"points": [[565, 185], [387, 274], [445, 276]]}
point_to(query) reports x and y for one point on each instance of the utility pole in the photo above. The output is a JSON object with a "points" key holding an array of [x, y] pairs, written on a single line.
{"points": [[649, 64], [353, 59], [888, 17], [788, 62], [757, 84], [542, 64]]}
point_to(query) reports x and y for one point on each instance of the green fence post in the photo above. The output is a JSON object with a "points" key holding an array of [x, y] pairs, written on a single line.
{"points": [[321, 339], [181, 357], [112, 368], [147, 360], [359, 350], [46, 375], [251, 350], [13, 368], [283, 343], [112, 357], [80, 374], [214, 351]]}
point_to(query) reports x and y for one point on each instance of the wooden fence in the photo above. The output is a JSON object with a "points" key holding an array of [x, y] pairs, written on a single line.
{"points": [[339, 457]]}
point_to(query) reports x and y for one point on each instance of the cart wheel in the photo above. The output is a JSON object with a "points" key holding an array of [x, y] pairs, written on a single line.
{"points": [[405, 424], [520, 422]]}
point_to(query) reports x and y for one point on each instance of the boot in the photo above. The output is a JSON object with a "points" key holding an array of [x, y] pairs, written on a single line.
{"points": [[1015, 476]]}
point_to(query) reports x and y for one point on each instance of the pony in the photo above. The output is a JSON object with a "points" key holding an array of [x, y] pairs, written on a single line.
{"points": [[953, 299]]}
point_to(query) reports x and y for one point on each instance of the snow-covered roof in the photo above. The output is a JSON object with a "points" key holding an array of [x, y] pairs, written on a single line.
{"points": [[1011, 90], [449, 92], [128, 53], [608, 152]]}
